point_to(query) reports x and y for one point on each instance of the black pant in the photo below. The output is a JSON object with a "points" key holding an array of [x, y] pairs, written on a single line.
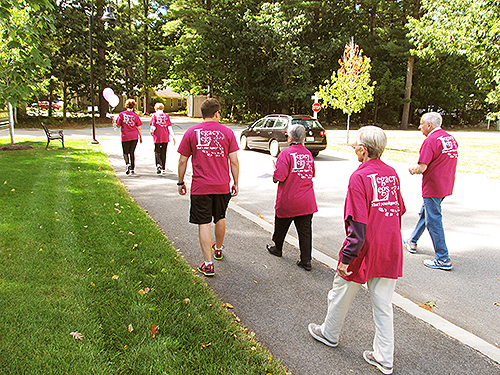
{"points": [[128, 148], [161, 154], [303, 224]]}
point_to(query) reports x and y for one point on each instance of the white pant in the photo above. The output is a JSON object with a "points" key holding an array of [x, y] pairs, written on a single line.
{"points": [[340, 298]]}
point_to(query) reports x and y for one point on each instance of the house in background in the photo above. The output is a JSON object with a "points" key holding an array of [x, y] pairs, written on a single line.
{"points": [[172, 101]]}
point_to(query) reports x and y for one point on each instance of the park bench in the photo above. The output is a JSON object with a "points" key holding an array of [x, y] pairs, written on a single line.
{"points": [[4, 124], [51, 135]]}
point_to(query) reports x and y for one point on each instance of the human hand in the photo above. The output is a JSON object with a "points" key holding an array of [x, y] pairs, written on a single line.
{"points": [[342, 269], [234, 190], [182, 189]]}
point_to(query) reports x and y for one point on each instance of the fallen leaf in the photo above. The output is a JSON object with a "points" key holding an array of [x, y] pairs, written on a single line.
{"points": [[154, 330], [203, 346], [255, 282], [142, 292], [130, 328], [187, 300], [431, 304], [132, 234], [228, 305], [91, 283], [497, 303], [125, 347], [76, 335], [258, 215], [115, 277]]}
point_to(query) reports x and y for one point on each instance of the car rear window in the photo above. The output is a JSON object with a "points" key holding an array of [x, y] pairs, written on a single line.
{"points": [[308, 123]]}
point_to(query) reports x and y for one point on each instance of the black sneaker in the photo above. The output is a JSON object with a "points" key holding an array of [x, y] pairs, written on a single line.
{"points": [[304, 265], [158, 169], [127, 172], [273, 250]]}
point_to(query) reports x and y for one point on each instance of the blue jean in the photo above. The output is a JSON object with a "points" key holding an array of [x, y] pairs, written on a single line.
{"points": [[431, 217]]}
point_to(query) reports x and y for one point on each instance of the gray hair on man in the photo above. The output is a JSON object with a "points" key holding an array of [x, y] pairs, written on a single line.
{"points": [[433, 118], [374, 139], [297, 133]]}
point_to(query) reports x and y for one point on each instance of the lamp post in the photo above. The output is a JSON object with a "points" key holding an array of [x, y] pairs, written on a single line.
{"points": [[107, 16]]}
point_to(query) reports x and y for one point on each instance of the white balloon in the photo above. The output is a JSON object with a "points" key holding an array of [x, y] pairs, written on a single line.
{"points": [[114, 100], [107, 93]]}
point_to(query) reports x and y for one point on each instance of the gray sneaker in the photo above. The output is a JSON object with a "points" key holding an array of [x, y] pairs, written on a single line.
{"points": [[368, 356], [315, 331], [438, 264], [410, 246]]}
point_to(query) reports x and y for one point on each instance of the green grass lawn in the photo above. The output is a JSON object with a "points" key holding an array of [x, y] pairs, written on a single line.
{"points": [[77, 254], [477, 152]]}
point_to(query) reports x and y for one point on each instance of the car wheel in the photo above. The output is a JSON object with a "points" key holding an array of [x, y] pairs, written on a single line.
{"points": [[314, 153], [243, 142], [274, 148]]}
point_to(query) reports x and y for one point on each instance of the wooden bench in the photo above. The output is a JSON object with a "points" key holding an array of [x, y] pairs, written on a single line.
{"points": [[51, 135]]}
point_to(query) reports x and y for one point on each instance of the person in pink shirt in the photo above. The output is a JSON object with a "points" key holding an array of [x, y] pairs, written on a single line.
{"points": [[295, 199], [372, 252], [130, 125], [161, 130], [437, 163], [213, 148]]}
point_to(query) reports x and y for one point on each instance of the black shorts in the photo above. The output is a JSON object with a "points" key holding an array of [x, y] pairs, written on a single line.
{"points": [[206, 207]]}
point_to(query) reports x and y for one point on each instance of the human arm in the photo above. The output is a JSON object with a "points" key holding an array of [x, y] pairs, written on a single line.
{"points": [[355, 239], [181, 171], [171, 132], [235, 172], [418, 169]]}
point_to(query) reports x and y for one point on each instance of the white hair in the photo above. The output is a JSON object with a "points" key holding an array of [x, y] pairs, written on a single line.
{"points": [[433, 118], [297, 133], [374, 139]]}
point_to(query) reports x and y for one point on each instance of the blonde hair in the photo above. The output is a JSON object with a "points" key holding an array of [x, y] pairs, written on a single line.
{"points": [[159, 106]]}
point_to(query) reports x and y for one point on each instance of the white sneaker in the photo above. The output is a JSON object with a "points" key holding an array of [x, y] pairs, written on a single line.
{"points": [[315, 331], [368, 356]]}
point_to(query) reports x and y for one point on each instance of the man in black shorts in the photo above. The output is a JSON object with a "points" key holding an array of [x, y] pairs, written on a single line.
{"points": [[213, 148]]}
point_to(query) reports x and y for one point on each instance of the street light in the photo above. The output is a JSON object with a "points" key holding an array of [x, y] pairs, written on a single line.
{"points": [[107, 16]]}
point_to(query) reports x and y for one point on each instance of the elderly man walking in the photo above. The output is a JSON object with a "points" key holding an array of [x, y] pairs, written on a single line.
{"points": [[295, 200], [438, 163], [372, 252]]}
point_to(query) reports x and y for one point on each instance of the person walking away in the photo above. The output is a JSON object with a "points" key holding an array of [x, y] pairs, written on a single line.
{"points": [[130, 125], [161, 130], [213, 148], [372, 252], [295, 199], [437, 163]]}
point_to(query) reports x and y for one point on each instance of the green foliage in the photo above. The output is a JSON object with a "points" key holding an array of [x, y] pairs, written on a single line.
{"points": [[349, 88]]}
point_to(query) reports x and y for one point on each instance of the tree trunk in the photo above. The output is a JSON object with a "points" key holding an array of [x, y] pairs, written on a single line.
{"points": [[348, 120], [407, 100]]}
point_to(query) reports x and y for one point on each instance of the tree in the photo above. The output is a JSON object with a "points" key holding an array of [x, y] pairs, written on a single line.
{"points": [[349, 89]]}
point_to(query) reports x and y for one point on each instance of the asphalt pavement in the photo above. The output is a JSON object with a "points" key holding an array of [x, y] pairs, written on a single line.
{"points": [[277, 300]]}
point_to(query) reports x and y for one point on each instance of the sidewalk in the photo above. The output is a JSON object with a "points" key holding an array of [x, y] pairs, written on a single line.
{"points": [[276, 299]]}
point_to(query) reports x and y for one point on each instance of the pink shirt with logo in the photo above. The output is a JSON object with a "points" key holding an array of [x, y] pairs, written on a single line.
{"points": [[129, 122], [374, 199], [161, 121], [294, 171], [209, 143], [439, 152]]}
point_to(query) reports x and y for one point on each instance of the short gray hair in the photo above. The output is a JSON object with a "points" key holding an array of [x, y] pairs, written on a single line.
{"points": [[433, 118], [374, 139], [297, 133]]}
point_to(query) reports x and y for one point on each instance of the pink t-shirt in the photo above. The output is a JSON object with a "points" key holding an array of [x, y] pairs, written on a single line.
{"points": [[294, 171], [161, 121], [209, 143], [129, 122], [374, 199], [439, 152]]}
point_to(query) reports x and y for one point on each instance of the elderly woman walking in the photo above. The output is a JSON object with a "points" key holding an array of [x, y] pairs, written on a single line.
{"points": [[372, 252], [295, 200]]}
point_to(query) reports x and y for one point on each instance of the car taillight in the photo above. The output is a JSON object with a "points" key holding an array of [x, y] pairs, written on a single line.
{"points": [[322, 133]]}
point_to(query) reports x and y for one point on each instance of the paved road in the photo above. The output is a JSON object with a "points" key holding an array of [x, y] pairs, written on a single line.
{"points": [[277, 300]]}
